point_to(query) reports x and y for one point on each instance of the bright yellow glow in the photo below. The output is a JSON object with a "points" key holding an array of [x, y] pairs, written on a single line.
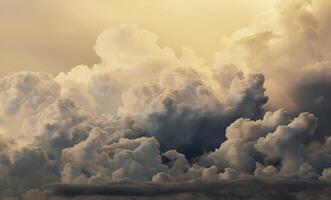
{"points": [[58, 34]]}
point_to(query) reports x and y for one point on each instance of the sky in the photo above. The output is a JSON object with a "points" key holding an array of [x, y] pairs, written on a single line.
{"points": [[165, 99], [54, 36]]}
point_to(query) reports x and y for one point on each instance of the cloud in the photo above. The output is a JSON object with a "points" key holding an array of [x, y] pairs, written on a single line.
{"points": [[184, 112], [94, 89], [272, 189], [132, 48], [27, 92], [326, 175], [289, 47], [25, 169], [311, 94], [143, 114], [239, 151], [285, 142], [137, 159], [23, 95], [273, 146]]}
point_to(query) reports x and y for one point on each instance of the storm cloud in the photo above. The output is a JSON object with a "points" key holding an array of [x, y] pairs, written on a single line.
{"points": [[237, 190], [145, 122]]}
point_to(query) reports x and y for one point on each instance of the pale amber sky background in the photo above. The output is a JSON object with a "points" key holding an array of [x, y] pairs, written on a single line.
{"points": [[55, 35]]}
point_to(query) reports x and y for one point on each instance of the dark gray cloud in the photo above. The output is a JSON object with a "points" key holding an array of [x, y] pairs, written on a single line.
{"points": [[184, 113], [312, 94], [295, 189]]}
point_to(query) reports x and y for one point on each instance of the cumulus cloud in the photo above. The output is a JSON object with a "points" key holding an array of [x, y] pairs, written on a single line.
{"points": [[133, 49], [184, 112], [23, 95], [144, 114], [289, 47], [274, 145], [25, 169], [93, 89], [239, 151], [27, 92], [285, 142], [137, 159]]}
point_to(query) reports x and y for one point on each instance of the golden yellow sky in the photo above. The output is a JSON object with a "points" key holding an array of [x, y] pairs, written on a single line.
{"points": [[55, 35]]}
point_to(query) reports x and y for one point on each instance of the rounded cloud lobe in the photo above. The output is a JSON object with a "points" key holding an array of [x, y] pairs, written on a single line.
{"points": [[144, 114]]}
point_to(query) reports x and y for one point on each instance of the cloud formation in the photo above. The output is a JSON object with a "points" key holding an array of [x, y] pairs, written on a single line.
{"points": [[289, 47], [146, 115], [237, 190]]}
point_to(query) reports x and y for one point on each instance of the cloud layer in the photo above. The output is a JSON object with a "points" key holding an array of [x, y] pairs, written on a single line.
{"points": [[235, 190]]}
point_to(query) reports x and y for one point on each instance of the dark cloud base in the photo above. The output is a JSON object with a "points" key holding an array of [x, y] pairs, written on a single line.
{"points": [[285, 189]]}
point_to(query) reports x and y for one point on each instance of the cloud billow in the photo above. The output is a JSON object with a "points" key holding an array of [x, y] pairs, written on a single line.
{"points": [[145, 121]]}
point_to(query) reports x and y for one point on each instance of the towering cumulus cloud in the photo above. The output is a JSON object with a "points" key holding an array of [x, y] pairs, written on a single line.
{"points": [[145, 122], [290, 46]]}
